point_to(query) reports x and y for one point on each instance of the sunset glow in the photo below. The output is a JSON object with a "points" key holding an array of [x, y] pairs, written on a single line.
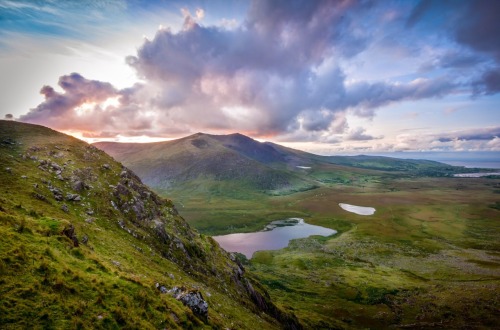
{"points": [[336, 76]]}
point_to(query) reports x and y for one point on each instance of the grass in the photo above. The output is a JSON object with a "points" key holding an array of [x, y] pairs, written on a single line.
{"points": [[109, 279], [429, 257]]}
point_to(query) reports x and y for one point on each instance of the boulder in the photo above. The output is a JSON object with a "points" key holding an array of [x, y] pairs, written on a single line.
{"points": [[69, 231], [192, 299], [73, 197]]}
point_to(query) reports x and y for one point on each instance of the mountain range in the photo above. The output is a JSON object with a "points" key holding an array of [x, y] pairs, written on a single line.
{"points": [[255, 166]]}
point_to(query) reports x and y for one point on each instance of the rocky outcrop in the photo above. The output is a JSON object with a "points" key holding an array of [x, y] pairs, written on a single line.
{"points": [[190, 298]]}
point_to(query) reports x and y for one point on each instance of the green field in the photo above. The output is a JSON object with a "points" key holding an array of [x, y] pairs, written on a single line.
{"points": [[428, 258]]}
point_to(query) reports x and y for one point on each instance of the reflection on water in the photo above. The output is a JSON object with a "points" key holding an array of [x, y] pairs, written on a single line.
{"points": [[275, 236]]}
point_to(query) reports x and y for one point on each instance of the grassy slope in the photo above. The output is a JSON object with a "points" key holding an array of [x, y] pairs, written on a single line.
{"points": [[206, 159], [109, 281], [429, 257]]}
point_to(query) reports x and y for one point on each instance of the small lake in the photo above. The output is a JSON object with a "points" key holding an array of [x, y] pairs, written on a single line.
{"points": [[361, 210], [275, 236], [474, 175]]}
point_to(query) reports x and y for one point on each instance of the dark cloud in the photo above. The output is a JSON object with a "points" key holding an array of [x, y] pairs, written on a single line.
{"points": [[454, 60], [479, 25], [9, 116], [473, 134], [488, 83], [359, 134], [366, 97]]}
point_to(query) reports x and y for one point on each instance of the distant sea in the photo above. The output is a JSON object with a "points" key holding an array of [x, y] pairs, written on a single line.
{"points": [[479, 159]]}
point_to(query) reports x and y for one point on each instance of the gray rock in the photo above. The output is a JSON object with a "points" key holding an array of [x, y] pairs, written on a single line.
{"points": [[192, 299], [65, 208], [106, 166], [8, 169], [73, 197], [78, 186], [161, 288]]}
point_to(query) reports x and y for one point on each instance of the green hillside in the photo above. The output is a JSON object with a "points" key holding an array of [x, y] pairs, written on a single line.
{"points": [[208, 158], [84, 244], [226, 183]]}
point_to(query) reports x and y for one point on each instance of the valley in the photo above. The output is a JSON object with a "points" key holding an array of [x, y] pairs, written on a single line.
{"points": [[429, 257]]}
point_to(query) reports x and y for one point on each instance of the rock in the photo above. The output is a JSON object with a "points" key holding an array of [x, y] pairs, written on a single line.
{"points": [[8, 141], [161, 288], [85, 239], [55, 166], [116, 263], [69, 231], [73, 197], [192, 299], [59, 177], [89, 212], [106, 166], [89, 220], [40, 197], [58, 195], [122, 190], [65, 208], [78, 186], [24, 177], [8, 169]]}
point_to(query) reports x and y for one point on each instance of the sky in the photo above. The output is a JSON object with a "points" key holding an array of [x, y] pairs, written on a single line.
{"points": [[323, 76]]}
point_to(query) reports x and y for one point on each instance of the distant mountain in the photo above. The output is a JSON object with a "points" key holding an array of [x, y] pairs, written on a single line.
{"points": [[249, 164], [84, 244], [211, 159]]}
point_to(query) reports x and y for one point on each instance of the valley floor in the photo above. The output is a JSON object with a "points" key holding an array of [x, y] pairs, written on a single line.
{"points": [[428, 258]]}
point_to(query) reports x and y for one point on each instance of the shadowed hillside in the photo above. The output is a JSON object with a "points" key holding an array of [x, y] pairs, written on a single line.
{"points": [[233, 159]]}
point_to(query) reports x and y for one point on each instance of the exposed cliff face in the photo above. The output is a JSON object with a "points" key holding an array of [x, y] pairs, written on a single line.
{"points": [[76, 223]]}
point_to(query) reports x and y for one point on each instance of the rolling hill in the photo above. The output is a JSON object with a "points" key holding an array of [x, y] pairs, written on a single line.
{"points": [[84, 245], [234, 159], [223, 183]]}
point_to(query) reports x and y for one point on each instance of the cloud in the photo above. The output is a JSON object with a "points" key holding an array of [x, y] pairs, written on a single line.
{"points": [[479, 25], [9, 116], [488, 83], [359, 134], [280, 72], [60, 110], [472, 134]]}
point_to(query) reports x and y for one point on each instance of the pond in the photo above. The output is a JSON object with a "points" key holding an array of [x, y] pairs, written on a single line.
{"points": [[275, 235], [361, 210]]}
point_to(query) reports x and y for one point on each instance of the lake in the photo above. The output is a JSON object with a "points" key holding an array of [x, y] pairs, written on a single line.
{"points": [[361, 210], [275, 236]]}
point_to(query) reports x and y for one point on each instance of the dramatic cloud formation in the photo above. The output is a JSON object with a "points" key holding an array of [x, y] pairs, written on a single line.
{"points": [[289, 70]]}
